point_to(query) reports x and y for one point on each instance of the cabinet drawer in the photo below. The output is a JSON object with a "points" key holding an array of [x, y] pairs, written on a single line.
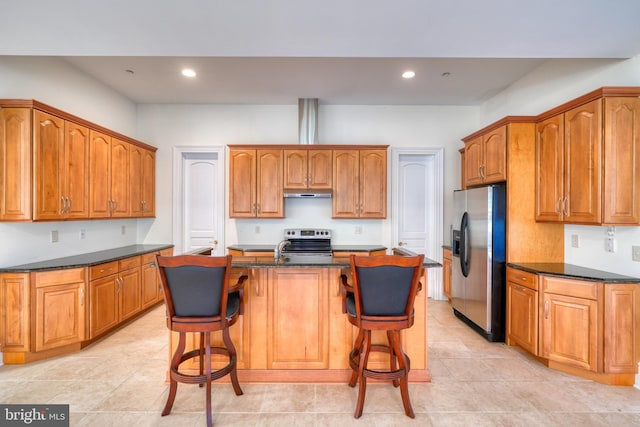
{"points": [[102, 270], [128, 263], [524, 278], [148, 258], [57, 277], [572, 288]]}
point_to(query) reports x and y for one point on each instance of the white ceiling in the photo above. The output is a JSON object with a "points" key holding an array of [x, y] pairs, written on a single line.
{"points": [[340, 51]]}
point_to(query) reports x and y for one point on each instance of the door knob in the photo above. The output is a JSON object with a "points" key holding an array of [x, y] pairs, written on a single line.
{"points": [[401, 243]]}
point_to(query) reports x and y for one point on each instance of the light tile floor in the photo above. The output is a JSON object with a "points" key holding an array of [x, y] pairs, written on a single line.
{"points": [[120, 381]]}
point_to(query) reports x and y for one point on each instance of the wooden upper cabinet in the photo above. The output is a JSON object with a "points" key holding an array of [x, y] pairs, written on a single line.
{"points": [[255, 181], [99, 175], [360, 183], [568, 166], [582, 164], [15, 164], [269, 194], [485, 158], [307, 169], [61, 159], [621, 161], [549, 169], [56, 166], [141, 182]]}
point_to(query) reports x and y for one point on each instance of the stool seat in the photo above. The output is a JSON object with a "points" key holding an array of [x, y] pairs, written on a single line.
{"points": [[381, 298], [199, 300]]}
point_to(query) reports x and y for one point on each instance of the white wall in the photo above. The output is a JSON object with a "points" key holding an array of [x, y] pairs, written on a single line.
{"points": [[553, 83], [166, 126], [54, 82]]}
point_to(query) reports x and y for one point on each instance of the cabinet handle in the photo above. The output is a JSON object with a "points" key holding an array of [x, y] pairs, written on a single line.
{"points": [[63, 205], [546, 309], [565, 202], [115, 205], [258, 211], [81, 296]]}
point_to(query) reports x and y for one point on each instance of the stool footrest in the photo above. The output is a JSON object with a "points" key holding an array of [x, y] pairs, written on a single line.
{"points": [[202, 379], [354, 362]]}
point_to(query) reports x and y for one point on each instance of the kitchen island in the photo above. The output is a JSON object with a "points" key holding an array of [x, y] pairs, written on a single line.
{"points": [[293, 328]]}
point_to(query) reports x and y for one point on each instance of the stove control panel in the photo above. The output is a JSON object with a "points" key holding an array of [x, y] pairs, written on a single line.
{"points": [[307, 233]]}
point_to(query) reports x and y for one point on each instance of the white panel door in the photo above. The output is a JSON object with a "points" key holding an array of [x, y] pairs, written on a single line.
{"points": [[417, 206], [200, 188], [198, 199]]}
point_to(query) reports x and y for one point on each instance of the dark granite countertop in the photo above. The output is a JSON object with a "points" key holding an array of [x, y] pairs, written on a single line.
{"points": [[336, 248], [85, 260], [573, 272], [303, 261]]}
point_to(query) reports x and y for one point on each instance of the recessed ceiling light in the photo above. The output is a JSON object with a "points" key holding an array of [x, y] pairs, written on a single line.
{"points": [[408, 74], [188, 72]]}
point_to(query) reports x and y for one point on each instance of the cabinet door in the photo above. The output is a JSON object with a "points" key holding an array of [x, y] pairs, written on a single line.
{"points": [[570, 330], [149, 285], [621, 328], [550, 169], [494, 168], [60, 308], [129, 293], [99, 175], [120, 178], [269, 195], [104, 312], [297, 321], [582, 164], [48, 166], [296, 175], [446, 273], [148, 183], [346, 179], [76, 171], [15, 324], [15, 164], [242, 183], [320, 168], [474, 159], [135, 180], [373, 184], [522, 317], [621, 163]]}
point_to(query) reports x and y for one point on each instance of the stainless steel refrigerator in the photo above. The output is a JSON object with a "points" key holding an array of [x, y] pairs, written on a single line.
{"points": [[478, 286]]}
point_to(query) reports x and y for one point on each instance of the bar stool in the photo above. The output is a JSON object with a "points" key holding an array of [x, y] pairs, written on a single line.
{"points": [[381, 299], [198, 299]]}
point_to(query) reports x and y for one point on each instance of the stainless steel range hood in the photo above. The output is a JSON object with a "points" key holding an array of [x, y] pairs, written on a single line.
{"points": [[308, 135], [308, 120], [307, 194]]}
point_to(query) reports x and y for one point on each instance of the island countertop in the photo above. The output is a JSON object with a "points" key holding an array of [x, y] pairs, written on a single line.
{"points": [[302, 261], [571, 271]]}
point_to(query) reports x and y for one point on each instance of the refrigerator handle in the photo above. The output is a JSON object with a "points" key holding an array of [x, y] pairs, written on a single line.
{"points": [[464, 244]]}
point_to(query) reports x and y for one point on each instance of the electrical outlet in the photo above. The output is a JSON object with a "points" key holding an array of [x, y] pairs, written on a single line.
{"points": [[123, 230], [54, 236], [635, 253], [257, 229], [610, 244], [575, 241], [83, 234], [358, 229]]}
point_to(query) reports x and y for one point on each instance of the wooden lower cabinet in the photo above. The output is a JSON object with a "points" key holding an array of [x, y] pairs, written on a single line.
{"points": [[14, 315], [585, 328], [446, 273], [59, 308], [522, 310], [293, 329]]}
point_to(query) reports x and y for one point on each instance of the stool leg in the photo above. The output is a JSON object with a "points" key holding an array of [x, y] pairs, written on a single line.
{"points": [[404, 382], [392, 357], [356, 353], [207, 360], [364, 358], [232, 355], [200, 358], [173, 384]]}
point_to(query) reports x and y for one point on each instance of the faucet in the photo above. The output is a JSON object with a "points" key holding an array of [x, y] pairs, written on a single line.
{"points": [[277, 252]]}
